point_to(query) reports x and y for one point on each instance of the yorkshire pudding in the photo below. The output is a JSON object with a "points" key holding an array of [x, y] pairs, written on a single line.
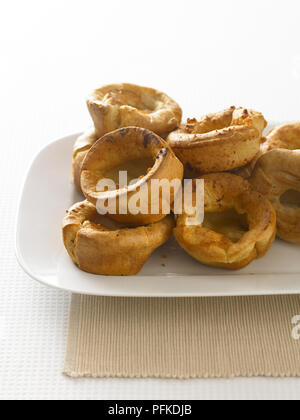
{"points": [[123, 105], [277, 176], [146, 158], [239, 224], [99, 245], [219, 142], [80, 149], [286, 136]]}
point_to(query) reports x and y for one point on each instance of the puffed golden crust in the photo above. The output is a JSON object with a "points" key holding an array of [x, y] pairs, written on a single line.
{"points": [[80, 149], [275, 173], [112, 250], [223, 192], [124, 105], [219, 142], [286, 136], [116, 149]]}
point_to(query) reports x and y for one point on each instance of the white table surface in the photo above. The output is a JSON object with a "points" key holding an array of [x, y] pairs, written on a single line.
{"points": [[207, 55]]}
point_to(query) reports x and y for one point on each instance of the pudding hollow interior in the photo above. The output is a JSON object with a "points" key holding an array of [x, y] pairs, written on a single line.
{"points": [[127, 156], [229, 223], [114, 153], [239, 224], [240, 220], [144, 155]]}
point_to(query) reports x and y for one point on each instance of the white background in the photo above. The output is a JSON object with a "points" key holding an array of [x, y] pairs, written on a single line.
{"points": [[205, 54]]}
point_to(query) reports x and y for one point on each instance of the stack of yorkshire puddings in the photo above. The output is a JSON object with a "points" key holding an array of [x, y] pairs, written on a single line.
{"points": [[252, 183]]}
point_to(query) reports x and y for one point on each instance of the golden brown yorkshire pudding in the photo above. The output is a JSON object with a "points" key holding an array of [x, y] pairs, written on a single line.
{"points": [[219, 142], [286, 136], [99, 245], [145, 157], [239, 224], [124, 105], [80, 149], [277, 176]]}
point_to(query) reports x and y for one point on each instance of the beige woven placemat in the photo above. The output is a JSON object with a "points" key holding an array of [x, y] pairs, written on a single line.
{"points": [[183, 338]]}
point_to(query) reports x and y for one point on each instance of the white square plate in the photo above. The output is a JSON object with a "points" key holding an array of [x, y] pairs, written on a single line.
{"points": [[48, 192]]}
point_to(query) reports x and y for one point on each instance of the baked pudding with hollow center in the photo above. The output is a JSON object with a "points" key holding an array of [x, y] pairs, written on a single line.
{"points": [[286, 136], [277, 176], [239, 224], [116, 106], [228, 223], [145, 157], [219, 142], [80, 150], [99, 245], [124, 105]]}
